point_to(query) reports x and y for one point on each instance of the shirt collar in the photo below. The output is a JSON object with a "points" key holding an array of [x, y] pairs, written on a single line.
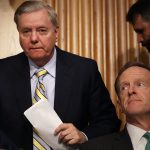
{"points": [[50, 66], [135, 133]]}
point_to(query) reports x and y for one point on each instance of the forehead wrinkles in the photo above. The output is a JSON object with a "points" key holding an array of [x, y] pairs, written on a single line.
{"points": [[39, 17], [138, 19], [133, 73], [140, 23]]}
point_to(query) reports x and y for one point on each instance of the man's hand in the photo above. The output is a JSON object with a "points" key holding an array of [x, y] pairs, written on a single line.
{"points": [[69, 134]]}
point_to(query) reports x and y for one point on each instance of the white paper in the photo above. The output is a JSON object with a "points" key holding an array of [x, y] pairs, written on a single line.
{"points": [[45, 120]]}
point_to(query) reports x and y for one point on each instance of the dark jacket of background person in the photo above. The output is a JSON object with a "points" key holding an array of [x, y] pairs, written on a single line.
{"points": [[116, 141]]}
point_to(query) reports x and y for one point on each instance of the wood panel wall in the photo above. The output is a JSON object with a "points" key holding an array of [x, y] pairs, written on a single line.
{"points": [[92, 28]]}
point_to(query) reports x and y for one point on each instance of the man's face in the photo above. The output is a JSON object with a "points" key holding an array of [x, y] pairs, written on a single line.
{"points": [[142, 28], [37, 36], [135, 91]]}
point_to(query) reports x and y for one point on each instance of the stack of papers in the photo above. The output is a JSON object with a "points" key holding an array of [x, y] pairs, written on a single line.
{"points": [[45, 120]]}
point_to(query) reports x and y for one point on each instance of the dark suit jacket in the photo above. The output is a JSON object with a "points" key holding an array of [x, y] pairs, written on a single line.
{"points": [[80, 97], [115, 141]]}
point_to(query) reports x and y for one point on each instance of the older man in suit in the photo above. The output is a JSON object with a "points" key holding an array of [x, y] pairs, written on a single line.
{"points": [[133, 89], [73, 84]]}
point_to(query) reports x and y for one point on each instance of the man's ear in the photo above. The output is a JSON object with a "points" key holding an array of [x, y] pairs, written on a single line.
{"points": [[56, 33], [119, 105]]}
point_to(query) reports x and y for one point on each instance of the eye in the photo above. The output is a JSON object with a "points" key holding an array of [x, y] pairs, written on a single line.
{"points": [[139, 31], [25, 32], [42, 31], [141, 84], [124, 87]]}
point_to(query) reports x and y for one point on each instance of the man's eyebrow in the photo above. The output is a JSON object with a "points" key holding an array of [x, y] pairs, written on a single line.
{"points": [[139, 30]]}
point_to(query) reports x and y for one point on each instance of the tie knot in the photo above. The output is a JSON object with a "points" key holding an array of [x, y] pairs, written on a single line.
{"points": [[41, 72], [147, 136]]}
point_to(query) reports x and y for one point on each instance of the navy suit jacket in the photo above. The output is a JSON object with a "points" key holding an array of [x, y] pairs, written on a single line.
{"points": [[115, 141], [81, 98]]}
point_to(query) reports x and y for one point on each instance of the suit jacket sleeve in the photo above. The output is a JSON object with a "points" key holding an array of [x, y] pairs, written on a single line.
{"points": [[102, 114], [6, 143]]}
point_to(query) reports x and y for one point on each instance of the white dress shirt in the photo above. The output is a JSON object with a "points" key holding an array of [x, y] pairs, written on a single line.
{"points": [[136, 135]]}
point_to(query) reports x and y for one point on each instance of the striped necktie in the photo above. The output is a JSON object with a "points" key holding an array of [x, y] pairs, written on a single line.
{"points": [[147, 136], [38, 142], [40, 89]]}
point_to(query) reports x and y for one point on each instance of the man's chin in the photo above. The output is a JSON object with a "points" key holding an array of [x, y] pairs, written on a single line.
{"points": [[36, 57], [148, 48]]}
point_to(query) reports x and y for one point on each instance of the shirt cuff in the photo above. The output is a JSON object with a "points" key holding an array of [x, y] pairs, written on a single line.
{"points": [[85, 136]]}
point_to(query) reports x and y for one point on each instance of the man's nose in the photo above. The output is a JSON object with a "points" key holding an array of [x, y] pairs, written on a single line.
{"points": [[140, 38], [131, 90], [34, 37]]}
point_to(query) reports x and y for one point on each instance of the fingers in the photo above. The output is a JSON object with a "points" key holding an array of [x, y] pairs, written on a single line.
{"points": [[69, 134], [63, 127]]}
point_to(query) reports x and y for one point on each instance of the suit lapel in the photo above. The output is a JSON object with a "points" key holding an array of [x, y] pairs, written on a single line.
{"points": [[62, 84], [123, 141]]}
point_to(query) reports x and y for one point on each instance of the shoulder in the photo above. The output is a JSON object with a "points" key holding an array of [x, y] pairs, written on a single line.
{"points": [[75, 59], [15, 62], [11, 59], [108, 138], [102, 142], [105, 142]]}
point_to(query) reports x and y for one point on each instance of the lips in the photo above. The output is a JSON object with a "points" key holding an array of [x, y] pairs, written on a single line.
{"points": [[133, 100], [35, 48]]}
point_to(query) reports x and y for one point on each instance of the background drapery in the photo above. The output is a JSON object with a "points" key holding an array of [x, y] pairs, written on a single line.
{"points": [[91, 28]]}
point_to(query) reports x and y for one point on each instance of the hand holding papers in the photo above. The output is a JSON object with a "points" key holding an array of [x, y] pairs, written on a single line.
{"points": [[45, 120]]}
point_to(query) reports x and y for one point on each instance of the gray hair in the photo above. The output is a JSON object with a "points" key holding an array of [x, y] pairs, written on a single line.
{"points": [[31, 6]]}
